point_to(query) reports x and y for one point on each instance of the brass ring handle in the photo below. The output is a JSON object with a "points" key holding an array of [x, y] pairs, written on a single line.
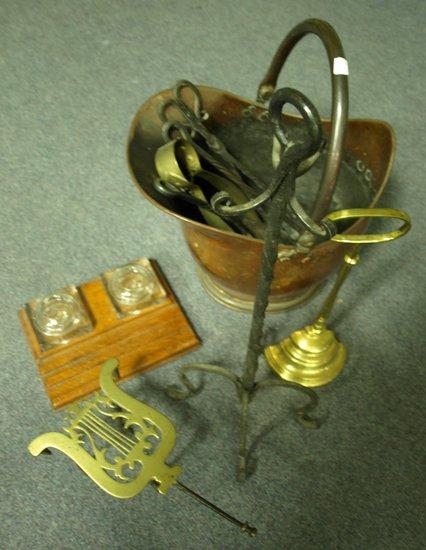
{"points": [[340, 99], [370, 213]]}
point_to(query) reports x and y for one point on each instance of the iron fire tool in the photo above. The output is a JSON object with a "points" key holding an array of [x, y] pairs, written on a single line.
{"points": [[191, 123], [280, 194], [122, 444], [282, 205], [181, 174]]}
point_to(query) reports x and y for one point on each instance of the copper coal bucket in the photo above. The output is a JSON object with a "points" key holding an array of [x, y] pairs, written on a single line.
{"points": [[228, 263]]}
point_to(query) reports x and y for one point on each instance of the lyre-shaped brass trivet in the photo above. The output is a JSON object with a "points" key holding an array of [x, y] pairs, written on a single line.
{"points": [[121, 444]]}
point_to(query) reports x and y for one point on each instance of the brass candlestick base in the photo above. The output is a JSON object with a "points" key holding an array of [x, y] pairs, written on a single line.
{"points": [[311, 356]]}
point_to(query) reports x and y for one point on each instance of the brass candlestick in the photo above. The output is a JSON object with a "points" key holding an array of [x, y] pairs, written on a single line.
{"points": [[313, 356]]}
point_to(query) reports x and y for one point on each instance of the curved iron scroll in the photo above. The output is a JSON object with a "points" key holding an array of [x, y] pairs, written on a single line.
{"points": [[293, 154]]}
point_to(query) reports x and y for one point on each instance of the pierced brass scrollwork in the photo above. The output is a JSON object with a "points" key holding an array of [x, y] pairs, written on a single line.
{"points": [[108, 456], [122, 444]]}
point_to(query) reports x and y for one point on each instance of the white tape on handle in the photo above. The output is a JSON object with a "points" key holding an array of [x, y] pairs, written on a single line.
{"points": [[340, 66]]}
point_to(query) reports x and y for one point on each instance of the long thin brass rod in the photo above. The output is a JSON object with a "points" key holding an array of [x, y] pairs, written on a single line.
{"points": [[350, 260], [245, 527], [111, 429], [104, 432], [88, 424]]}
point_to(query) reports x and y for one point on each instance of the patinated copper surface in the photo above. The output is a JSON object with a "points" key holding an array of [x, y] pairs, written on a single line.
{"points": [[231, 261]]}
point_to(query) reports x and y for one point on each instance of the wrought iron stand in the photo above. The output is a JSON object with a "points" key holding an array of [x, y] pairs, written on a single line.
{"points": [[282, 193]]}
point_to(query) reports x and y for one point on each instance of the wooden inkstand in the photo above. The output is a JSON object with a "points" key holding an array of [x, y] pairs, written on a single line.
{"points": [[130, 313]]}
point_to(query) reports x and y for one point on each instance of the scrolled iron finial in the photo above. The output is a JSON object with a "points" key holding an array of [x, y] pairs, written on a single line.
{"points": [[293, 154], [339, 74]]}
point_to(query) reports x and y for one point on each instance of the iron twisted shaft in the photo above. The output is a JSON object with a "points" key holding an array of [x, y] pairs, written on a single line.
{"points": [[281, 191], [284, 189], [274, 221]]}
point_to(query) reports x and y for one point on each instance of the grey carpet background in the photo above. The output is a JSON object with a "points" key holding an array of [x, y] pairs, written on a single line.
{"points": [[72, 75]]}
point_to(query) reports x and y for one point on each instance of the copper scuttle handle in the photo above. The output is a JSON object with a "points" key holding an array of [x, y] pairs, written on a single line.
{"points": [[340, 99]]}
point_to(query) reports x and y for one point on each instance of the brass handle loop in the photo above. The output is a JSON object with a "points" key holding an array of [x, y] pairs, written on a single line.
{"points": [[370, 213], [340, 99]]}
